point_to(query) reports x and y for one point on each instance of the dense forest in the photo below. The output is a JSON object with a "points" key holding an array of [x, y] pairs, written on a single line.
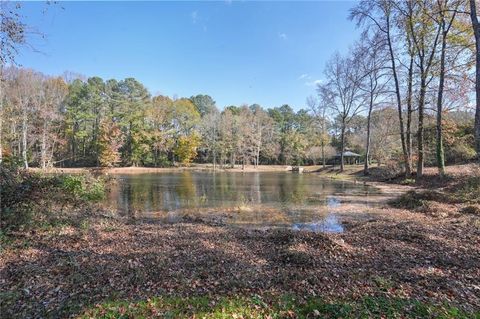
{"points": [[401, 96]]}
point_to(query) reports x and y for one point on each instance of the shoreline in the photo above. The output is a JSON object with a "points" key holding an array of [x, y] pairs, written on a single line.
{"points": [[350, 172]]}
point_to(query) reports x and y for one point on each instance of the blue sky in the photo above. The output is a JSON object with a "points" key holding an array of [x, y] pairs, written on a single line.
{"points": [[269, 53]]}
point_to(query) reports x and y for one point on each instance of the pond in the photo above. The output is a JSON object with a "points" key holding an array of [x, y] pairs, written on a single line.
{"points": [[250, 199]]}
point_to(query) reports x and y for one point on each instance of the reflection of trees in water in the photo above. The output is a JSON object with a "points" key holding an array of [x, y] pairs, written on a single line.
{"points": [[255, 190], [136, 197], [292, 189], [186, 189], [283, 197]]}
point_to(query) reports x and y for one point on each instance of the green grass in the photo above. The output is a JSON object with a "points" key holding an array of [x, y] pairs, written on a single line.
{"points": [[283, 307]]}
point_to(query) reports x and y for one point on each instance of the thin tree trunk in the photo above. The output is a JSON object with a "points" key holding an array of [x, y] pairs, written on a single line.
{"points": [[44, 146], [408, 131], [323, 141], [214, 160], [476, 31], [421, 115], [399, 99], [50, 159], [439, 143], [323, 153], [367, 148], [24, 139], [342, 147]]}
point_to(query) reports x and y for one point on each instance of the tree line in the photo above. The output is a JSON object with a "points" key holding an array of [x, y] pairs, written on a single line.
{"points": [[57, 121], [69, 121], [401, 96]]}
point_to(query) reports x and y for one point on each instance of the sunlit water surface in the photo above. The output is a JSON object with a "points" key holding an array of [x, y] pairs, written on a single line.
{"points": [[250, 199]]}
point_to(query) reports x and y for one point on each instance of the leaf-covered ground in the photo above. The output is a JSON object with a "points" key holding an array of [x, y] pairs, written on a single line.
{"points": [[399, 264]]}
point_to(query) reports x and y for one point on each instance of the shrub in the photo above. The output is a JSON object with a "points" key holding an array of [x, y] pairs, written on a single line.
{"points": [[83, 187], [28, 200]]}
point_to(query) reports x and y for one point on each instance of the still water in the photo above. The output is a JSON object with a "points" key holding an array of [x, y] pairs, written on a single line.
{"points": [[250, 199]]}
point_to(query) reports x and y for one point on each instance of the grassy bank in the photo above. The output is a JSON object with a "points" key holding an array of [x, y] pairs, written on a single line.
{"points": [[273, 307]]}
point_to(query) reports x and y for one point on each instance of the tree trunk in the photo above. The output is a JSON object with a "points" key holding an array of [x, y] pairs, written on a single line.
{"points": [[408, 131], [367, 148], [439, 143], [214, 159], [43, 150], [421, 115], [476, 31], [323, 140], [342, 147], [323, 154], [399, 99], [24, 139]]}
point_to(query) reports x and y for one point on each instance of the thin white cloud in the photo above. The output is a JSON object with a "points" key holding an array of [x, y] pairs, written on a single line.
{"points": [[194, 16], [283, 36], [303, 76], [313, 83]]}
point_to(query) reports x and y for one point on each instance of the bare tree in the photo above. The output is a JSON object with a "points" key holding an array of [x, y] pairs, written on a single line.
{"points": [[25, 95], [379, 17], [54, 91], [343, 81], [446, 13], [372, 61], [209, 128], [319, 108], [425, 37], [262, 129]]}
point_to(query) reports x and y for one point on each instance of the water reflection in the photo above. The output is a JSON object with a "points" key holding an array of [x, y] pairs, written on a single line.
{"points": [[330, 224], [271, 199]]}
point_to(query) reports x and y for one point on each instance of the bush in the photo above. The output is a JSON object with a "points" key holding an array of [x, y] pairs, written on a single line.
{"points": [[29, 200], [83, 187]]}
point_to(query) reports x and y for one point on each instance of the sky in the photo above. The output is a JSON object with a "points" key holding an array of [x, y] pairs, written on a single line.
{"points": [[270, 53]]}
